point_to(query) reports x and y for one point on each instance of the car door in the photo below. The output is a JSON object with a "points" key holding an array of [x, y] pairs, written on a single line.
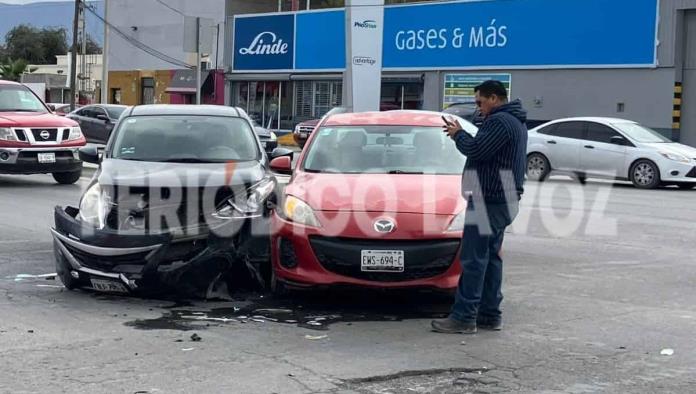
{"points": [[100, 127], [599, 156], [562, 142]]}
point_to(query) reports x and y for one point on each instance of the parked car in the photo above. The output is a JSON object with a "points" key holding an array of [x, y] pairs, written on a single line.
{"points": [[609, 148], [468, 111], [375, 201], [33, 140], [304, 129], [179, 189], [98, 120], [60, 109]]}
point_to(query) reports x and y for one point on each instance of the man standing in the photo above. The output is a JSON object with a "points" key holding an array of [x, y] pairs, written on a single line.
{"points": [[492, 184]]}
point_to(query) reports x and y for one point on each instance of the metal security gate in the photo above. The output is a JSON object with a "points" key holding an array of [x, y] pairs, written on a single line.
{"points": [[688, 88]]}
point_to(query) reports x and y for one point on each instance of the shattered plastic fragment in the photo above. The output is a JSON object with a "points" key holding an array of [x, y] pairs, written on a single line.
{"points": [[314, 323], [195, 338], [315, 337], [667, 352], [188, 349]]}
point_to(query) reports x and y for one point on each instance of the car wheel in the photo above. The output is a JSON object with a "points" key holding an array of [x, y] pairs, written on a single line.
{"points": [[645, 175], [687, 186], [63, 269], [538, 167], [67, 178]]}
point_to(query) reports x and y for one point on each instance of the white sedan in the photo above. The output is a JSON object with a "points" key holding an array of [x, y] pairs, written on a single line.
{"points": [[609, 148]]}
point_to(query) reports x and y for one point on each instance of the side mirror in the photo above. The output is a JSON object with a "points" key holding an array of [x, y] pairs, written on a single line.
{"points": [[51, 107], [103, 117], [282, 152], [89, 154], [282, 165], [618, 140]]}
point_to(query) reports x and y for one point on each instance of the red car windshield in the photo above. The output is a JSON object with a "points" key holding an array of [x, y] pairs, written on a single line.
{"points": [[383, 150], [17, 98]]}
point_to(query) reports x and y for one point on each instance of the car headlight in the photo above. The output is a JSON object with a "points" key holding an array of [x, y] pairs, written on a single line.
{"points": [[248, 204], [675, 157], [7, 134], [299, 212], [274, 137], [457, 223], [297, 129], [95, 206], [75, 133]]}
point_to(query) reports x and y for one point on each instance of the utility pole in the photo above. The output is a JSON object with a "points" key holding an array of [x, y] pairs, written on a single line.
{"points": [[73, 56], [105, 57], [198, 61], [83, 52]]}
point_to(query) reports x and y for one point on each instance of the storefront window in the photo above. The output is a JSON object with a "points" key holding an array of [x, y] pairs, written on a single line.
{"points": [[401, 95]]}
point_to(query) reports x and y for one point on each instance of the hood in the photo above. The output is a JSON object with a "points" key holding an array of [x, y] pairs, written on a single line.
{"points": [[674, 147], [154, 174], [262, 132], [419, 194], [309, 123], [34, 119], [515, 109]]}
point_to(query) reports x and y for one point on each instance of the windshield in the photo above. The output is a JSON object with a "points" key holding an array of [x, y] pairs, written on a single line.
{"points": [[192, 139], [19, 98], [641, 133], [383, 150], [115, 112]]}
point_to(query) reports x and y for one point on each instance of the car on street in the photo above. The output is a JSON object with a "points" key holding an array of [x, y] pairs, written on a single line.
{"points": [[97, 121], [33, 140], [304, 129], [181, 192], [609, 148], [375, 201], [59, 109]]}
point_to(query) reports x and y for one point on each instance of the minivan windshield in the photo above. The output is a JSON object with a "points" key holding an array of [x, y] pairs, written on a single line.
{"points": [[383, 150], [641, 133], [185, 139], [18, 98]]}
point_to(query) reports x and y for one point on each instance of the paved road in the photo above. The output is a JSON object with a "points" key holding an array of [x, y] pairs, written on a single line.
{"points": [[589, 307]]}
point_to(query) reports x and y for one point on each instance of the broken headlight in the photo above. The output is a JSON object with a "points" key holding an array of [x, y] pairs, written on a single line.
{"points": [[95, 206], [249, 203]]}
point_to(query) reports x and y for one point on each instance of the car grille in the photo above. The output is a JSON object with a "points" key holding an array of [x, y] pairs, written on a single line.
{"points": [[52, 135], [106, 264], [422, 259], [306, 129]]}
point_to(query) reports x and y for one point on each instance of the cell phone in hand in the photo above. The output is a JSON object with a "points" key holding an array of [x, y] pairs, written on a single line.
{"points": [[447, 122]]}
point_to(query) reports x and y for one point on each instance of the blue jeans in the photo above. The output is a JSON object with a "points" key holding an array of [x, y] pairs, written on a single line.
{"points": [[479, 293]]}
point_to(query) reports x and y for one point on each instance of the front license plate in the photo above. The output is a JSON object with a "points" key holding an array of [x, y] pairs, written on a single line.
{"points": [[108, 286], [382, 261], [47, 157]]}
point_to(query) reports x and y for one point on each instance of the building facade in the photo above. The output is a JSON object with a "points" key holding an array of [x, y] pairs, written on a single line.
{"points": [[633, 59]]}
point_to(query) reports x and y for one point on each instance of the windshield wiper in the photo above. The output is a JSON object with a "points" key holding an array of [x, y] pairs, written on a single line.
{"points": [[405, 172]]}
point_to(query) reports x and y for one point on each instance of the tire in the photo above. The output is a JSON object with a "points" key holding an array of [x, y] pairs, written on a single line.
{"points": [[687, 186], [645, 174], [63, 269], [67, 178], [538, 167]]}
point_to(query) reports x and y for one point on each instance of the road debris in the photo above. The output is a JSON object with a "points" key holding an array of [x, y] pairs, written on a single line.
{"points": [[667, 352], [316, 337]]}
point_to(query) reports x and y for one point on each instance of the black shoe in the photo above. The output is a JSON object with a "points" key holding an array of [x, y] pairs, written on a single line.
{"points": [[452, 326], [493, 325]]}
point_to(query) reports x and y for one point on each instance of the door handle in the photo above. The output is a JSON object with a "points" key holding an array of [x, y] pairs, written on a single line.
{"points": [[589, 146], [551, 142]]}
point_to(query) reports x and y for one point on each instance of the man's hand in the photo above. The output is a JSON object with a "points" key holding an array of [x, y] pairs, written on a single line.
{"points": [[451, 127]]}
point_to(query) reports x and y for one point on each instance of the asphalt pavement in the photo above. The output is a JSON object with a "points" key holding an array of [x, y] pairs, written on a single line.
{"points": [[599, 297]]}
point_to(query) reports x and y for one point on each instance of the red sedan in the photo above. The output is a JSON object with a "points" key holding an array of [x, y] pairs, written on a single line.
{"points": [[375, 201]]}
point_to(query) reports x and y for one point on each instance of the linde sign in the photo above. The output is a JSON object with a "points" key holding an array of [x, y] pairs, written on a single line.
{"points": [[264, 42]]}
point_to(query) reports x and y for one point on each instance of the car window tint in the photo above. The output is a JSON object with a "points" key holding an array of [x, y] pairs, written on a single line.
{"points": [[600, 133], [569, 130], [96, 111], [548, 129]]}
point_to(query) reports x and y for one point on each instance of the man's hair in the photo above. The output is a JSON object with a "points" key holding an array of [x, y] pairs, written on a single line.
{"points": [[492, 87]]}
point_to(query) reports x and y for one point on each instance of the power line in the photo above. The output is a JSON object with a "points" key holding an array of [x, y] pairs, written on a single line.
{"points": [[138, 44], [170, 7]]}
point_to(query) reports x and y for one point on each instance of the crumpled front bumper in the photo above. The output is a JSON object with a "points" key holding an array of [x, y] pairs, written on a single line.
{"points": [[137, 260]]}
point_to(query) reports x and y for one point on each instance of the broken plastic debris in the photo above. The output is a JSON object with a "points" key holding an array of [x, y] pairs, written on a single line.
{"points": [[667, 352], [195, 338], [314, 323], [188, 349], [315, 337], [463, 343]]}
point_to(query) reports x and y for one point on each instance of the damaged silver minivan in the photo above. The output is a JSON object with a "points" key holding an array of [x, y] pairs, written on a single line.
{"points": [[182, 193]]}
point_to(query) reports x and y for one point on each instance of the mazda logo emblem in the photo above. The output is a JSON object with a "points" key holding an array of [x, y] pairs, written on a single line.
{"points": [[45, 134], [384, 226]]}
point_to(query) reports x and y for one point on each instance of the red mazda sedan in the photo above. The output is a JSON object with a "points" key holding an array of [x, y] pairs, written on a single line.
{"points": [[375, 201]]}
